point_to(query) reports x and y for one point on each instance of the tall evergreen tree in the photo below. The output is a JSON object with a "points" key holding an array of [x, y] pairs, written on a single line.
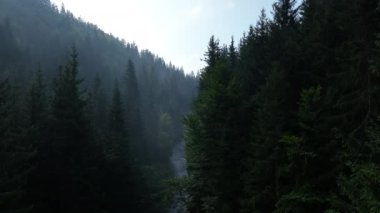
{"points": [[66, 182], [121, 186], [209, 136], [116, 115], [132, 105], [37, 116], [15, 154], [37, 100], [99, 102]]}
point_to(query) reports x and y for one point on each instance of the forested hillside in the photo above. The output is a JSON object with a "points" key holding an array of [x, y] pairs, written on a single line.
{"points": [[287, 120], [88, 122]]}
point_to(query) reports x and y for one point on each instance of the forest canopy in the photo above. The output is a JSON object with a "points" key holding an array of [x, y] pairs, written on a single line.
{"points": [[287, 120], [284, 119], [88, 122]]}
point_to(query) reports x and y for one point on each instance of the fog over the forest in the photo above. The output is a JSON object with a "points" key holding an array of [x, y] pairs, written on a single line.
{"points": [[178, 31], [101, 114], [93, 119]]}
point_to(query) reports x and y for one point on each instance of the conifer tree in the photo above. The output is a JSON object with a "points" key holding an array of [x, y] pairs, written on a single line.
{"points": [[209, 137], [15, 154], [134, 124], [65, 174], [120, 184], [116, 116], [37, 116], [37, 102], [99, 102]]}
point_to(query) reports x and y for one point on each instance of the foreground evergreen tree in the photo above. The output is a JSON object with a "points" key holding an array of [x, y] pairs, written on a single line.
{"points": [[210, 135], [118, 187], [68, 162], [123, 186], [36, 126], [15, 154]]}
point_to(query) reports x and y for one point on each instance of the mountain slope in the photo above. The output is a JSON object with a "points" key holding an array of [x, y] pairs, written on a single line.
{"points": [[35, 34]]}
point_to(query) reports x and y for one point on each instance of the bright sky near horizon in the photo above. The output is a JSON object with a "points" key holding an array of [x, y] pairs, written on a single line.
{"points": [[176, 30]]}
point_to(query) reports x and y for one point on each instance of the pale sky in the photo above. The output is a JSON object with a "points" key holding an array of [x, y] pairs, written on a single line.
{"points": [[176, 30]]}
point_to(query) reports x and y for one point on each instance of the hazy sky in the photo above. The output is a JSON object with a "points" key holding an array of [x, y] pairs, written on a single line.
{"points": [[177, 30]]}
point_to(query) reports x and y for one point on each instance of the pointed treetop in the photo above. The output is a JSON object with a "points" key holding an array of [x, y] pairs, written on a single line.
{"points": [[213, 52], [285, 13], [130, 69], [232, 52], [262, 27], [116, 117]]}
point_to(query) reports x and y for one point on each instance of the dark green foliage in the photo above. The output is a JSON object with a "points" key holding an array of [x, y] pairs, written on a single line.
{"points": [[116, 115], [213, 52], [133, 102], [66, 168], [120, 180], [210, 134], [37, 101], [37, 120], [291, 125], [15, 154], [99, 105]]}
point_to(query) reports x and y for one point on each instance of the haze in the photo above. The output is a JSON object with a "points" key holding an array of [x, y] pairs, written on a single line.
{"points": [[178, 31]]}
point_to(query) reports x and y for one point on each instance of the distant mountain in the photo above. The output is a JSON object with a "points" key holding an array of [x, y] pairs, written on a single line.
{"points": [[41, 33], [36, 33]]}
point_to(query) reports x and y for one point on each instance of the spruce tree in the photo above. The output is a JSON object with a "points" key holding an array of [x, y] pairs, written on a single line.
{"points": [[37, 116], [65, 174], [15, 154], [99, 103], [120, 178], [214, 179], [37, 101], [132, 110]]}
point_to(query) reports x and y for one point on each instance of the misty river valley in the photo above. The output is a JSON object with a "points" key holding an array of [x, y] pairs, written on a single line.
{"points": [[189, 106]]}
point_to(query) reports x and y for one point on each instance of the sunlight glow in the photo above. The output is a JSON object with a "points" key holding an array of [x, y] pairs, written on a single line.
{"points": [[177, 30]]}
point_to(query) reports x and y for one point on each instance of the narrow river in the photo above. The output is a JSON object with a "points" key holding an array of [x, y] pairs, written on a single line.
{"points": [[178, 159], [179, 164]]}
